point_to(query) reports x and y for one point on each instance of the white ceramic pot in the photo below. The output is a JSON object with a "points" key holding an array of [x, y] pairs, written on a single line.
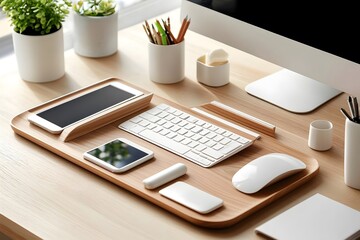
{"points": [[166, 63], [95, 36], [40, 58]]}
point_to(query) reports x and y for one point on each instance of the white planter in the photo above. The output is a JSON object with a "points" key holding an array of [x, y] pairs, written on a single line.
{"points": [[95, 36], [40, 58]]}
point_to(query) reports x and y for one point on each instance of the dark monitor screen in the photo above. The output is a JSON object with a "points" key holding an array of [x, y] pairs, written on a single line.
{"points": [[333, 28]]}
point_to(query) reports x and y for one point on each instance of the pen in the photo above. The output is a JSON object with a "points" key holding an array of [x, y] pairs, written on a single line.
{"points": [[356, 110], [343, 111], [351, 107]]}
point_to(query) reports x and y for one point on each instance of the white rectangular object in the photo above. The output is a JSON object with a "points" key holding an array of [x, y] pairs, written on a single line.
{"points": [[318, 217], [192, 197]]}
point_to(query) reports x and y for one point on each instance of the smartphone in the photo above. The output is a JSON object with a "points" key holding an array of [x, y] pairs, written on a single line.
{"points": [[119, 155], [63, 115]]}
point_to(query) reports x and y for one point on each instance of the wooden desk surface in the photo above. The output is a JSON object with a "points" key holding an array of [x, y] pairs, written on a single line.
{"points": [[45, 196]]}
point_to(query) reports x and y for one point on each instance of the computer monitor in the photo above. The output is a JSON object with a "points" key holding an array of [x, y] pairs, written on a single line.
{"points": [[308, 43]]}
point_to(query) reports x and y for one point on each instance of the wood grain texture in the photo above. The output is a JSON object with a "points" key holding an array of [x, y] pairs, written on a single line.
{"points": [[257, 126], [215, 180]]}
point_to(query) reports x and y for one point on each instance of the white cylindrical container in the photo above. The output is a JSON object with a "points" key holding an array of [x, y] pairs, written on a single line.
{"points": [[95, 36], [40, 58], [352, 154], [166, 63], [320, 135], [212, 75]]}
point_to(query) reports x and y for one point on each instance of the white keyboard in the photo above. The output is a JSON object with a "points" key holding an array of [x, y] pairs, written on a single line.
{"points": [[185, 135]]}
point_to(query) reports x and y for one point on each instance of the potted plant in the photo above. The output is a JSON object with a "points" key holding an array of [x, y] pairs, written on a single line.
{"points": [[95, 27], [38, 37]]}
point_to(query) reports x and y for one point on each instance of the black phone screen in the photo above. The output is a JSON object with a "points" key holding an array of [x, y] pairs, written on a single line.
{"points": [[117, 153], [86, 105]]}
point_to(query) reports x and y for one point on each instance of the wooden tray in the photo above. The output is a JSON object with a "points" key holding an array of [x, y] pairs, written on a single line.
{"points": [[215, 180]]}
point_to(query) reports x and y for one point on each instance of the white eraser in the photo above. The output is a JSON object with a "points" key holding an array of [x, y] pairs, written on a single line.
{"points": [[165, 176], [216, 56]]}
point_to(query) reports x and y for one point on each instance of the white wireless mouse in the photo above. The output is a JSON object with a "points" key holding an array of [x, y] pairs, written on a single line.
{"points": [[266, 170]]}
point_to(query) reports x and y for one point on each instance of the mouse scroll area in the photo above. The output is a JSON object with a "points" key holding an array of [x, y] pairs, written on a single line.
{"points": [[265, 171]]}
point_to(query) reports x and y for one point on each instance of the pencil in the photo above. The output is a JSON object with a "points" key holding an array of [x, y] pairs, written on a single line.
{"points": [[185, 29], [170, 35], [156, 35], [148, 34], [184, 26]]}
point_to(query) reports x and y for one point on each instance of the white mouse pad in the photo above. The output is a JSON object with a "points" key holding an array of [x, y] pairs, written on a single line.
{"points": [[192, 197], [318, 217]]}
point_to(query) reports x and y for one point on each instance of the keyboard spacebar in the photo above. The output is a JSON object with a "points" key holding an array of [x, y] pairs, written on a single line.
{"points": [[164, 141]]}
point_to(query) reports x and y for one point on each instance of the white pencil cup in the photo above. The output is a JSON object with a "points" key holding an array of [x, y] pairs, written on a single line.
{"points": [[166, 63], [352, 154]]}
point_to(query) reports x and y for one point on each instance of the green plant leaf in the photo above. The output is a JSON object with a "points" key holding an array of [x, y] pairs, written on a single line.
{"points": [[36, 16]]}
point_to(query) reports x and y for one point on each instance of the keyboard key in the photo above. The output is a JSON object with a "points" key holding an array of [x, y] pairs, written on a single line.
{"points": [[165, 142], [189, 134], [204, 132], [164, 131], [163, 115], [193, 144], [196, 129], [175, 128], [225, 141], [179, 138], [155, 111], [243, 140], [144, 123], [218, 138], [128, 124], [212, 153], [171, 135], [183, 116], [200, 147], [210, 135], [167, 125], [230, 147], [169, 117], [162, 107], [186, 141], [137, 129], [182, 131], [196, 137], [161, 122], [176, 120], [197, 158], [217, 147], [210, 143]]}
